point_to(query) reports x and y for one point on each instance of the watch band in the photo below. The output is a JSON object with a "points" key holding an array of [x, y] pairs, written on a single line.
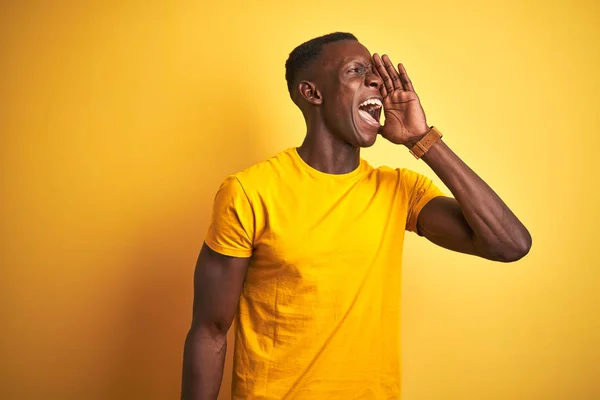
{"points": [[423, 145]]}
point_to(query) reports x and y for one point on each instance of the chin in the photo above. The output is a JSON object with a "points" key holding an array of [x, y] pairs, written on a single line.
{"points": [[367, 142], [366, 139]]}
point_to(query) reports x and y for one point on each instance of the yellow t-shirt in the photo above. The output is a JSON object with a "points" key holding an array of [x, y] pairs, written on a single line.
{"points": [[319, 314]]}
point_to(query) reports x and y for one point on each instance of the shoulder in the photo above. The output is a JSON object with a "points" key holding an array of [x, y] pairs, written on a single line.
{"points": [[395, 174], [403, 181], [265, 172]]}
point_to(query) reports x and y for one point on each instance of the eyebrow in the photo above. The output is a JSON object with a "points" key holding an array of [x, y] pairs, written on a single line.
{"points": [[361, 63]]}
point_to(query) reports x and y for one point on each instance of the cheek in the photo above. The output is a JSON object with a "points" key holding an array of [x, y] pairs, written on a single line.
{"points": [[338, 103]]}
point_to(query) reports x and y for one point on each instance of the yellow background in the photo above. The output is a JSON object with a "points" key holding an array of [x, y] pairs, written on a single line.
{"points": [[118, 120]]}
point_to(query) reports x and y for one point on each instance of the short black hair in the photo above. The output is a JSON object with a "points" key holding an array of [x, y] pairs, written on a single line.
{"points": [[307, 52]]}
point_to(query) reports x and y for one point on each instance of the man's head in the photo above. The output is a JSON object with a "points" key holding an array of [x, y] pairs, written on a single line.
{"points": [[332, 80], [304, 55]]}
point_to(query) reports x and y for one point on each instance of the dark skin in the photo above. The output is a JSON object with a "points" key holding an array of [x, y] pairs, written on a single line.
{"points": [[476, 221], [218, 283]]}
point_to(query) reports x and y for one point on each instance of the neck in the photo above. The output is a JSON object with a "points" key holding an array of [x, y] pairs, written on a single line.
{"points": [[325, 152]]}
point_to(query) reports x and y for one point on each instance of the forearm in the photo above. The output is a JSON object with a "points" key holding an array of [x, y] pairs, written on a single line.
{"points": [[497, 232], [203, 363]]}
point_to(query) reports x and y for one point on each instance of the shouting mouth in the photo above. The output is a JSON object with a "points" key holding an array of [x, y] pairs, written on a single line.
{"points": [[370, 111]]}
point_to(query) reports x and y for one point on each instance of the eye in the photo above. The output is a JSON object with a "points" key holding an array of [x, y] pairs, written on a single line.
{"points": [[357, 70]]}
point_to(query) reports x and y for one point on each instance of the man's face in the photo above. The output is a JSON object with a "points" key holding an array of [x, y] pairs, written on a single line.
{"points": [[352, 101]]}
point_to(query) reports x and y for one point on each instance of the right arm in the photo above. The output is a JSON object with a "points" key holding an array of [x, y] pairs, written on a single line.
{"points": [[218, 283]]}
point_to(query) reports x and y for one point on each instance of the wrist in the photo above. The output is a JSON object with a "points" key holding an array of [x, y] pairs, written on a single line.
{"points": [[420, 134], [420, 147], [415, 139], [433, 150]]}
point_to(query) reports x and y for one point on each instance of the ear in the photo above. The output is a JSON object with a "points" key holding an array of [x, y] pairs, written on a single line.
{"points": [[309, 92]]}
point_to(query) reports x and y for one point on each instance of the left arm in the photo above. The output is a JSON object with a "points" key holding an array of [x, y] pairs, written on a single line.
{"points": [[476, 221]]}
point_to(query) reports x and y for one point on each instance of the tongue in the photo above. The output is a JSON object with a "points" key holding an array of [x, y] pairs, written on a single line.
{"points": [[368, 117]]}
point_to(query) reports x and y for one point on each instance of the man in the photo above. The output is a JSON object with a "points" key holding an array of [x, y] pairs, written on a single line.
{"points": [[307, 246]]}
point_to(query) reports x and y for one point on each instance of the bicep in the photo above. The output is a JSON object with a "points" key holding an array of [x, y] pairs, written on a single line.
{"points": [[218, 283], [442, 222]]}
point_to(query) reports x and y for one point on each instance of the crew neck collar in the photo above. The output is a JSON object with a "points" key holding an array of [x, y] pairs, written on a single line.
{"points": [[315, 172]]}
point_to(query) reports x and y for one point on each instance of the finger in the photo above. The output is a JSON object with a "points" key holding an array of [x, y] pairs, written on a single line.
{"points": [[406, 83], [383, 91], [382, 88], [388, 85], [391, 70]]}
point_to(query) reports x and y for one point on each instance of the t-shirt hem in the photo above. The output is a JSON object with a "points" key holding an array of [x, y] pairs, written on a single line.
{"points": [[227, 251], [412, 225]]}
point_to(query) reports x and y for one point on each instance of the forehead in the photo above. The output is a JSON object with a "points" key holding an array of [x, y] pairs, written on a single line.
{"points": [[338, 53]]}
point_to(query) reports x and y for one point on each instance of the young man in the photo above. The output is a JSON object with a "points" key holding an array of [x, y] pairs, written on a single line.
{"points": [[307, 246]]}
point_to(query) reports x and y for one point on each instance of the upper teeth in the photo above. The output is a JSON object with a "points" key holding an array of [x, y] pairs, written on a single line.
{"points": [[376, 102]]}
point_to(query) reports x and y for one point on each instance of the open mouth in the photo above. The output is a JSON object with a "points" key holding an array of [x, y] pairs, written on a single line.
{"points": [[370, 110]]}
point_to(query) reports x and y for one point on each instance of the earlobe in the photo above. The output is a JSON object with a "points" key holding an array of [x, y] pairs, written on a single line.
{"points": [[309, 92]]}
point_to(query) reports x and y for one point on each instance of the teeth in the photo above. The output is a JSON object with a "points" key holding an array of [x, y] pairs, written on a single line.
{"points": [[376, 102]]}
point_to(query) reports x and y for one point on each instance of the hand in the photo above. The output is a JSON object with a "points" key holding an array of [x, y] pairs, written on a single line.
{"points": [[405, 121]]}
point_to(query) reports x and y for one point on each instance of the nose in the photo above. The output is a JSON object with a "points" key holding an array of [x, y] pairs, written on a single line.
{"points": [[373, 80]]}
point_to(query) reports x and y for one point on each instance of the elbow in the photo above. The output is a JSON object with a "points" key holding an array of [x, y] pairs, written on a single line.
{"points": [[514, 251], [215, 329], [523, 246], [515, 254], [207, 337]]}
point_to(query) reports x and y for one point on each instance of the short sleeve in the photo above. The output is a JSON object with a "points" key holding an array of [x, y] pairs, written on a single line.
{"points": [[419, 191], [231, 229]]}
